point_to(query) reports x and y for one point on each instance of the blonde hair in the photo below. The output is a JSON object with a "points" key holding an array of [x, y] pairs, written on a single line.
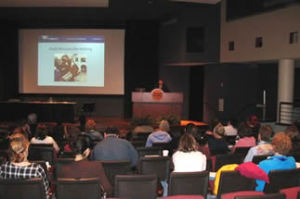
{"points": [[187, 143], [219, 129], [18, 147]]}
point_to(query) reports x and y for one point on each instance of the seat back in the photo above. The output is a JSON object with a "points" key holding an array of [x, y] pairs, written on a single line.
{"points": [[78, 188], [161, 145], [223, 159], [189, 183], [144, 151], [266, 196], [41, 152], [159, 166], [22, 189], [136, 186], [280, 179], [59, 164], [258, 158], [241, 150], [115, 167], [232, 181]]}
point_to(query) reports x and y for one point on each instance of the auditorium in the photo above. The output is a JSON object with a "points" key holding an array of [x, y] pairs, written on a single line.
{"points": [[170, 99]]}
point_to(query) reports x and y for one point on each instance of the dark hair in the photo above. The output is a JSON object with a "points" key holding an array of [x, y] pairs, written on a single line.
{"points": [[245, 131], [81, 144], [41, 132], [189, 128], [265, 132], [112, 130], [187, 143]]}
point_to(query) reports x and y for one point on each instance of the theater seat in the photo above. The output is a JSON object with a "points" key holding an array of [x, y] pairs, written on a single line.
{"points": [[291, 193]]}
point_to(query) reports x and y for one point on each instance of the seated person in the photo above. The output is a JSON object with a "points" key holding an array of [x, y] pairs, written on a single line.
{"points": [[91, 132], [19, 167], [160, 135], [230, 129], [246, 138], [114, 148], [279, 161], [82, 167], [263, 146], [293, 132], [187, 158], [216, 142], [253, 123], [41, 137]]}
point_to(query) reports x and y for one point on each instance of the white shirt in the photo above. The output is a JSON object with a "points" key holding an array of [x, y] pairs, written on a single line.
{"points": [[47, 140], [230, 130], [189, 161]]}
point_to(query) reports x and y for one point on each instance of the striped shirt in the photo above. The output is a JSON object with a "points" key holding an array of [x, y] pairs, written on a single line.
{"points": [[11, 171]]}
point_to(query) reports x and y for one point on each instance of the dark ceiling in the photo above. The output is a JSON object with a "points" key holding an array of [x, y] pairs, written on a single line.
{"points": [[118, 12]]}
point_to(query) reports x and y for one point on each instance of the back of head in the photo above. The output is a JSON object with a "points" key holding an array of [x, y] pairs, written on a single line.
{"points": [[41, 132], [164, 125], [219, 130], [282, 143], [81, 144], [265, 132], [112, 130], [18, 147], [292, 132], [245, 131], [90, 124], [187, 143]]}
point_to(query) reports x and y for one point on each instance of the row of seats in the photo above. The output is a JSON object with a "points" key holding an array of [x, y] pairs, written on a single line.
{"points": [[232, 186]]}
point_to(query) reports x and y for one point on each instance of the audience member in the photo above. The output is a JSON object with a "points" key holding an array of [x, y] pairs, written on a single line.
{"points": [[82, 167], [41, 137], [253, 123], [114, 148], [91, 132], [19, 167], [58, 134], [293, 132], [160, 135], [279, 161], [263, 146], [246, 138], [187, 158], [216, 142], [230, 128]]}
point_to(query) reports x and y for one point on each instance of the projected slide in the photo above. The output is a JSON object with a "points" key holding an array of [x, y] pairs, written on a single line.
{"points": [[71, 60]]}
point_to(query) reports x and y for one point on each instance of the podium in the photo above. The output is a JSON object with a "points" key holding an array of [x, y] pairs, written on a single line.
{"points": [[157, 103]]}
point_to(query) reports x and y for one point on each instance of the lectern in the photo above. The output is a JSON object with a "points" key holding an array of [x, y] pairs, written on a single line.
{"points": [[157, 103]]}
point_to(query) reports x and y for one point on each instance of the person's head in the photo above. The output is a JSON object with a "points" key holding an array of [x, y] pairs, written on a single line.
{"points": [[81, 145], [187, 143], [253, 120], [41, 132], [265, 133], [18, 147], [111, 131], [32, 118], [164, 125], [90, 124], [219, 130], [281, 143], [191, 129], [245, 131], [292, 132]]}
